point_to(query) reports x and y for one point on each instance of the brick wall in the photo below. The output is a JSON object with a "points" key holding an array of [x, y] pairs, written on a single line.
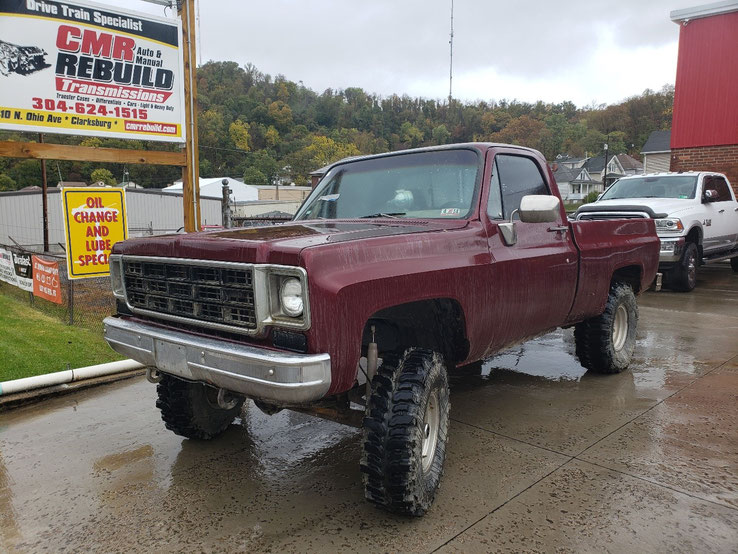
{"points": [[723, 159]]}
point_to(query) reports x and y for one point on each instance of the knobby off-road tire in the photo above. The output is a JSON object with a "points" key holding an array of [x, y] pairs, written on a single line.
{"points": [[405, 432], [605, 344], [734, 264], [684, 274], [191, 409]]}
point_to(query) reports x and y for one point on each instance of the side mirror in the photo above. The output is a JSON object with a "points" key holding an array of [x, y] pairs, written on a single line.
{"points": [[534, 208], [539, 208], [710, 196]]}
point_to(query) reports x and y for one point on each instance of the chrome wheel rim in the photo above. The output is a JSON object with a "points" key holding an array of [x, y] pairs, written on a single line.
{"points": [[620, 328], [431, 424], [692, 269]]}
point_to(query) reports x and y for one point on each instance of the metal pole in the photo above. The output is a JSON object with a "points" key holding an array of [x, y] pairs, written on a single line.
{"points": [[451, 59], [44, 199], [225, 204], [70, 300]]}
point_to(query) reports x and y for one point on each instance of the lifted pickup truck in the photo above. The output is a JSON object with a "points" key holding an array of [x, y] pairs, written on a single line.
{"points": [[397, 270], [696, 219]]}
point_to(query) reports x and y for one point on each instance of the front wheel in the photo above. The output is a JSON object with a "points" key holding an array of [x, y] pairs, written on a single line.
{"points": [[405, 433], [684, 274], [191, 409], [605, 344]]}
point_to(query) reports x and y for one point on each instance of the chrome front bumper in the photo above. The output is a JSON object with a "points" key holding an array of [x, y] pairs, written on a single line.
{"points": [[279, 377], [671, 249]]}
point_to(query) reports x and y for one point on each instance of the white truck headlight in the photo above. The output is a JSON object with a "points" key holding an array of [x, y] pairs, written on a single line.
{"points": [[669, 224], [116, 276], [290, 296]]}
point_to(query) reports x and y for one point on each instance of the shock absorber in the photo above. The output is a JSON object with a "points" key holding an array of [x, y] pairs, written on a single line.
{"points": [[372, 356]]}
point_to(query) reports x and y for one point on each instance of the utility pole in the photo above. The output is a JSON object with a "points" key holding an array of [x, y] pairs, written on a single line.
{"points": [[451, 57], [190, 173], [44, 198], [604, 176]]}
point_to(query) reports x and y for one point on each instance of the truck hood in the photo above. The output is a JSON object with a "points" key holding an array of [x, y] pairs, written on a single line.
{"points": [[277, 244], [662, 207]]}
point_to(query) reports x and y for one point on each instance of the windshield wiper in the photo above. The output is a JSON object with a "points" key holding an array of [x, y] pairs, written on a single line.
{"points": [[393, 215]]}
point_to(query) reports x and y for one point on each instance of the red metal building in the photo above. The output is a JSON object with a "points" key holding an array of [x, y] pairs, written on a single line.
{"points": [[704, 133]]}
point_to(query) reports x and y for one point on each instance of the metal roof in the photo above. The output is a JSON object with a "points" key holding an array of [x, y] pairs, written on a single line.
{"points": [[704, 10]]}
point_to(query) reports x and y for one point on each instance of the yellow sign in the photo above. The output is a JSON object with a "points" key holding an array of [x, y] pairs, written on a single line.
{"points": [[94, 220]]}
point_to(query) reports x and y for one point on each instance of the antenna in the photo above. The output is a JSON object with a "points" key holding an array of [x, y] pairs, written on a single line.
{"points": [[451, 58], [199, 35]]}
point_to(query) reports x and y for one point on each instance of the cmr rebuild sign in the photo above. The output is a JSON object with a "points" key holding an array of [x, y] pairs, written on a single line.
{"points": [[94, 220], [85, 69]]}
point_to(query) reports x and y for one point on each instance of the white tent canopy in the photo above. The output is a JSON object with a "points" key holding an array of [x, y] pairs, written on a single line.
{"points": [[240, 191]]}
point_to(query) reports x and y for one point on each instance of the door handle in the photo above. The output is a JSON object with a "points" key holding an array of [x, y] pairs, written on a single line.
{"points": [[721, 211], [561, 229]]}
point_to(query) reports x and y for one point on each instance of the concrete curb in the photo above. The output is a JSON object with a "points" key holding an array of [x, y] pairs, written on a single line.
{"points": [[10, 401]]}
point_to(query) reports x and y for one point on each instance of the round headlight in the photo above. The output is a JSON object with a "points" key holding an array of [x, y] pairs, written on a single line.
{"points": [[290, 295]]}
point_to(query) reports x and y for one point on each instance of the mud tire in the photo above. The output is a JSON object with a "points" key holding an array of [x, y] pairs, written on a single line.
{"points": [[734, 264], [395, 476], [684, 274], [191, 410], [595, 338]]}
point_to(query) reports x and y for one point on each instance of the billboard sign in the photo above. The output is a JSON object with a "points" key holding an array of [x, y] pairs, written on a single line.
{"points": [[87, 69], [94, 220], [46, 280]]}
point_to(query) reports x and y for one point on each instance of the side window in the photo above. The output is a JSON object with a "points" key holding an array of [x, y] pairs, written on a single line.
{"points": [[494, 205], [519, 176], [719, 184]]}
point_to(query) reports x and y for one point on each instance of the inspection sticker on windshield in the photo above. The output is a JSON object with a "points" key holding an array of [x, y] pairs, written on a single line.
{"points": [[329, 197], [450, 211]]}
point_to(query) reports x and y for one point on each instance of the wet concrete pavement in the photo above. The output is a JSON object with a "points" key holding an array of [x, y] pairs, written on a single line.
{"points": [[542, 457]]}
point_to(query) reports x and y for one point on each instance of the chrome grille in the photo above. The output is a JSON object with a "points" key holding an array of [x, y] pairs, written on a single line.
{"points": [[214, 294], [598, 216]]}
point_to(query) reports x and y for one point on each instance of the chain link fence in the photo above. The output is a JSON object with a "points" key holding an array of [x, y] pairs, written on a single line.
{"points": [[85, 302]]}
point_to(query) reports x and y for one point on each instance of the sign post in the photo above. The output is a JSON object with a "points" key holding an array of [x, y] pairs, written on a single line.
{"points": [[94, 220]]}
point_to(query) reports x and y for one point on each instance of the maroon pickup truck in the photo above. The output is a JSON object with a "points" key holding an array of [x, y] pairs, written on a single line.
{"points": [[398, 270]]}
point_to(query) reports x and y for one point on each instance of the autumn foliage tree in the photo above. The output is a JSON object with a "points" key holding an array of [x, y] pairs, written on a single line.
{"points": [[254, 125]]}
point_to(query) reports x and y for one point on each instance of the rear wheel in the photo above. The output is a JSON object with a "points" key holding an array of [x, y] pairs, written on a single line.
{"points": [[605, 344], [734, 264], [191, 409], [684, 274], [405, 433]]}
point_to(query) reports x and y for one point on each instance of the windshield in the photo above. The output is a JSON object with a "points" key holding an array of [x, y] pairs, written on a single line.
{"points": [[436, 185], [665, 186]]}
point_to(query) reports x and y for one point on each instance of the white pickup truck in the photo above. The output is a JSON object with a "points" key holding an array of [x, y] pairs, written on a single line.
{"points": [[696, 217]]}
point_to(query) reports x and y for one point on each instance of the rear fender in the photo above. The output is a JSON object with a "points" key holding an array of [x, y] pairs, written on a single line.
{"points": [[605, 247]]}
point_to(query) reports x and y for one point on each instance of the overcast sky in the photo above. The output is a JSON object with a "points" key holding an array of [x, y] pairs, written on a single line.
{"points": [[585, 51]]}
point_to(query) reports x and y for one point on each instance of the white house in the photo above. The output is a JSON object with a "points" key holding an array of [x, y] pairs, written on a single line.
{"points": [[657, 152], [574, 182]]}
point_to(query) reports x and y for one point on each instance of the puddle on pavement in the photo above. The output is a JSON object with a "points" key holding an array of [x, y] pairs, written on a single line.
{"points": [[550, 356]]}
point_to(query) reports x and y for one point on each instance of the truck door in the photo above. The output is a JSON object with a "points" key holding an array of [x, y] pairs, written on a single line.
{"points": [[724, 224], [533, 281]]}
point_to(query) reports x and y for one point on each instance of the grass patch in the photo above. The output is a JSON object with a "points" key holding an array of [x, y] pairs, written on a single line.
{"points": [[32, 343]]}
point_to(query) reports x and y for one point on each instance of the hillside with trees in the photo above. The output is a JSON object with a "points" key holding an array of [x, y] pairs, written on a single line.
{"points": [[259, 127]]}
